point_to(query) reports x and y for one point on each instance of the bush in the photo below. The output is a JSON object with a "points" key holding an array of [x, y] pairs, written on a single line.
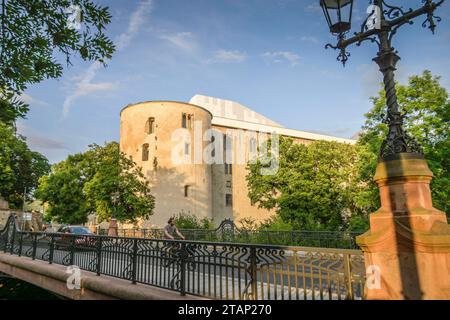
{"points": [[358, 223], [190, 221], [275, 224]]}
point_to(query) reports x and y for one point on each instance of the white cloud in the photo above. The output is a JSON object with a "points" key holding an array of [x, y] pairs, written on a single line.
{"points": [[181, 40], [32, 101], [85, 86], [309, 39], [282, 56], [37, 141], [313, 7], [225, 56], [137, 19]]}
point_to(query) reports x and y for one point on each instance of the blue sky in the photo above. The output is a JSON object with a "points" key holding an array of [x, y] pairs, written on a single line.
{"points": [[266, 54]]}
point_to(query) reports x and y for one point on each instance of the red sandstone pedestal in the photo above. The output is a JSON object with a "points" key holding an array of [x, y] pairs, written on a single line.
{"points": [[407, 249], [112, 230]]}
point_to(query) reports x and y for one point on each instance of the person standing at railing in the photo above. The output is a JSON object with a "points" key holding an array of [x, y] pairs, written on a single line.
{"points": [[171, 231]]}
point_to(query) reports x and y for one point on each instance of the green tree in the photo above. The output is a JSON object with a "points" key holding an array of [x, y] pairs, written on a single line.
{"points": [[312, 189], [427, 105], [114, 172], [62, 190], [84, 183], [35, 33], [20, 168]]}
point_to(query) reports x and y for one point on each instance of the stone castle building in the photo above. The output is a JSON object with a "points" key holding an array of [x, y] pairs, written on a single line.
{"points": [[195, 154]]}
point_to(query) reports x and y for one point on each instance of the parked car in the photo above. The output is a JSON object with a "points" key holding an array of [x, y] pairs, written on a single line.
{"points": [[80, 236]]}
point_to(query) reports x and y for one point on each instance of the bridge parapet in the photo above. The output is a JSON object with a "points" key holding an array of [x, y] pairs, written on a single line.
{"points": [[217, 270], [54, 278]]}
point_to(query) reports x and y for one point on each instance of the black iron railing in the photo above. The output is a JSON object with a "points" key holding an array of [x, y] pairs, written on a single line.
{"points": [[228, 232], [209, 269]]}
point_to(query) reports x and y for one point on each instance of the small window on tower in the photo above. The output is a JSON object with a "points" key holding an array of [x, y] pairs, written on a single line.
{"points": [[184, 120], [187, 148], [228, 168], [186, 191], [145, 152], [189, 121], [150, 126], [228, 200]]}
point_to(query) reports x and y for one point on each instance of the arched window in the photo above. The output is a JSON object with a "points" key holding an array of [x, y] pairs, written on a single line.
{"points": [[187, 121], [150, 126], [145, 152], [190, 124]]}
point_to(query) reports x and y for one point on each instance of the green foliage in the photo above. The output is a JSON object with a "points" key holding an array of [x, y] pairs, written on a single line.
{"points": [[358, 224], [329, 186], [20, 168], [190, 221], [275, 224], [114, 172], [35, 33], [312, 189], [62, 190], [84, 183], [428, 107]]}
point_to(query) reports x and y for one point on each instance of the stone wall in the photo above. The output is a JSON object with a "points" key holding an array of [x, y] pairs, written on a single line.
{"points": [[4, 212]]}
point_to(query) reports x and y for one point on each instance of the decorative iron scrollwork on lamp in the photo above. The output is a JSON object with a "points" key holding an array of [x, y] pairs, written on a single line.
{"points": [[379, 27]]}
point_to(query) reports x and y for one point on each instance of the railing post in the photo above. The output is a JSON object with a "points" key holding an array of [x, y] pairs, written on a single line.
{"points": [[13, 238], [134, 271], [99, 255], [253, 273], [183, 256], [33, 256], [20, 243], [348, 276], [72, 250], [52, 249]]}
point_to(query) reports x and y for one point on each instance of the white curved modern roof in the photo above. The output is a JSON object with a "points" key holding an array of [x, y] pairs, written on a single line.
{"points": [[221, 108], [231, 114]]}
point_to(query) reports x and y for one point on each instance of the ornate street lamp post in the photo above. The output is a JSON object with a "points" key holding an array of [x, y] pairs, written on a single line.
{"points": [[408, 243], [380, 27]]}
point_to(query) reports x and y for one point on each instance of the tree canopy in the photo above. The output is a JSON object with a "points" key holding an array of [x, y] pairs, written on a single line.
{"points": [[20, 168], [312, 188], [85, 183], [427, 104], [35, 34], [329, 186]]}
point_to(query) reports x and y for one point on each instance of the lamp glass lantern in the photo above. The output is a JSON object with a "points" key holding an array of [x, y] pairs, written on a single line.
{"points": [[338, 14]]}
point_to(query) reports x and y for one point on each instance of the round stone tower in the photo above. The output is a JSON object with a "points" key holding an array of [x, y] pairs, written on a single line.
{"points": [[165, 138]]}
